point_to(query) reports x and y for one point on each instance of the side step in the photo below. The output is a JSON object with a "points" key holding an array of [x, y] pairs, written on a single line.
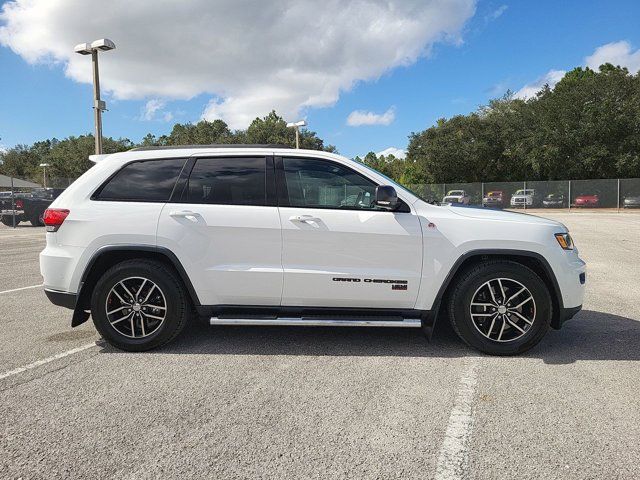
{"points": [[319, 322]]}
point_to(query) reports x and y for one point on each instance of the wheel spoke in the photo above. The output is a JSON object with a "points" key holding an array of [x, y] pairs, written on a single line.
{"points": [[153, 287], [141, 287], [144, 334], [504, 295], [117, 310], [493, 322], [133, 299], [153, 316], [482, 304], [493, 297], [522, 303], [121, 319], [122, 300], [133, 326], [513, 324], [501, 328], [515, 295], [528, 322]]}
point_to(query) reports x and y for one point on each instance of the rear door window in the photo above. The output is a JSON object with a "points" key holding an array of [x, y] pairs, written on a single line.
{"points": [[144, 181], [228, 181]]}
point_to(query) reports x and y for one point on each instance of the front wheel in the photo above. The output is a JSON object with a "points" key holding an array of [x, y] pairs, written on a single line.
{"points": [[139, 304], [500, 307]]}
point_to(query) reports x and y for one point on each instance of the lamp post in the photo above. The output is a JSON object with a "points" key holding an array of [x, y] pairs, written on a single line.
{"points": [[99, 106], [44, 173], [297, 126]]}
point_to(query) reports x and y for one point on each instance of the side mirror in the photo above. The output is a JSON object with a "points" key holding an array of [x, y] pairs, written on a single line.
{"points": [[386, 197]]}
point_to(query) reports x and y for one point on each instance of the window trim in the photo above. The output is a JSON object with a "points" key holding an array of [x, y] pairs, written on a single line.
{"points": [[270, 199], [283, 193], [95, 195]]}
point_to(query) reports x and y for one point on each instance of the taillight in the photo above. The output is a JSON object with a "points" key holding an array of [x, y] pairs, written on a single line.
{"points": [[19, 203], [54, 217]]}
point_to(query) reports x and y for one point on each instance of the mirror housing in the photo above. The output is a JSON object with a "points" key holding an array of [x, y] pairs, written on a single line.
{"points": [[386, 197]]}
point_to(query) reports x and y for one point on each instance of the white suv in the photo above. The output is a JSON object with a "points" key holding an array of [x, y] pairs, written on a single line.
{"points": [[268, 235]]}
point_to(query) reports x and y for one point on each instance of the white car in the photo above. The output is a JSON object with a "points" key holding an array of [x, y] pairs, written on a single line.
{"points": [[456, 197], [524, 197], [268, 235]]}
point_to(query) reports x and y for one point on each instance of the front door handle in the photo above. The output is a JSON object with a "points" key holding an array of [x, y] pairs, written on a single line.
{"points": [[188, 214], [304, 218]]}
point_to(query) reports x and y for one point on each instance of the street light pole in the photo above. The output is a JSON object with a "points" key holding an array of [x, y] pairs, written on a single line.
{"points": [[99, 106], [297, 126], [44, 174]]}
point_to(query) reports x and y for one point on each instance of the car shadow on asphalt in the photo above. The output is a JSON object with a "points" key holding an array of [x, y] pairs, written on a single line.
{"points": [[589, 336]]}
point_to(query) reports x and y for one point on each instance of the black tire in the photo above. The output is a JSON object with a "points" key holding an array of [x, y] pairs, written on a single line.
{"points": [[178, 304], [8, 220], [468, 283], [37, 220]]}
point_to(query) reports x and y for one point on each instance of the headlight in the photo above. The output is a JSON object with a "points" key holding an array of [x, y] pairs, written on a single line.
{"points": [[565, 241]]}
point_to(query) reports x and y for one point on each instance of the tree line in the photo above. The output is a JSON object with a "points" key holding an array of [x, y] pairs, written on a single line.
{"points": [[68, 158], [586, 127]]}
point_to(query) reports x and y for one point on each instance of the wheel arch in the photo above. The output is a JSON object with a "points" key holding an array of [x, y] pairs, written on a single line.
{"points": [[533, 260], [108, 256]]}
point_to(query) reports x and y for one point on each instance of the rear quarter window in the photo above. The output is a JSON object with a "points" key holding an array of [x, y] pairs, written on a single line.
{"points": [[142, 181]]}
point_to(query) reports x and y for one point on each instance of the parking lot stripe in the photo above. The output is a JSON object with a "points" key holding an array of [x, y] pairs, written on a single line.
{"points": [[44, 361], [21, 288], [452, 461]]}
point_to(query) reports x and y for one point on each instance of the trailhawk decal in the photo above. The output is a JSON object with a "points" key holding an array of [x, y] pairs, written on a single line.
{"points": [[395, 284]]}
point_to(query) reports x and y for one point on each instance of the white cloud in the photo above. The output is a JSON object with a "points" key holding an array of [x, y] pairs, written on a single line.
{"points": [[250, 56], [361, 117], [151, 108], [616, 53], [550, 78], [497, 13], [396, 152]]}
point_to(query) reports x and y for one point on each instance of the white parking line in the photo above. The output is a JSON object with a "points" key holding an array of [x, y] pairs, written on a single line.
{"points": [[21, 288], [44, 361], [453, 458]]}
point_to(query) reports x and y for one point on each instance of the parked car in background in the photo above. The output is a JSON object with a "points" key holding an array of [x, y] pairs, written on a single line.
{"points": [[632, 202], [493, 199], [454, 197], [524, 197], [28, 207], [587, 200], [554, 200]]}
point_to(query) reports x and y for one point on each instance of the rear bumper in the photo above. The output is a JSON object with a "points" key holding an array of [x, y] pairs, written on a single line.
{"points": [[62, 299]]}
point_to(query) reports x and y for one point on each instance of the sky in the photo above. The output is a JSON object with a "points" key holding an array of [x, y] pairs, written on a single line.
{"points": [[364, 74]]}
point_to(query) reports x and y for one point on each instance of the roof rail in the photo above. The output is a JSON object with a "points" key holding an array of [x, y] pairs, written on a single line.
{"points": [[215, 145]]}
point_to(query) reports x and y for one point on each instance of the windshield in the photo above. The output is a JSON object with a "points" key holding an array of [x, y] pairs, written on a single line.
{"points": [[455, 193], [524, 192], [392, 182]]}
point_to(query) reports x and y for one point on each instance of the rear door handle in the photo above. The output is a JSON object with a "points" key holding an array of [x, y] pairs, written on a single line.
{"points": [[304, 218], [188, 214]]}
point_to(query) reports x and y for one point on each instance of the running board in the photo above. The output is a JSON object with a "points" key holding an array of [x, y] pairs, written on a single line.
{"points": [[318, 322]]}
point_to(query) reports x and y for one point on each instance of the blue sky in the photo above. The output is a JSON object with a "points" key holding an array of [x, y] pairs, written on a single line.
{"points": [[500, 46]]}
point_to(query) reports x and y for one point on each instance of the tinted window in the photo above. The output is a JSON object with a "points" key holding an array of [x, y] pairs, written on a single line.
{"points": [[148, 181], [323, 184], [228, 181]]}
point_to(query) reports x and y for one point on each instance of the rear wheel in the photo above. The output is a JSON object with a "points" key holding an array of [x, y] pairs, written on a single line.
{"points": [[500, 307], [8, 220], [37, 220], [140, 304]]}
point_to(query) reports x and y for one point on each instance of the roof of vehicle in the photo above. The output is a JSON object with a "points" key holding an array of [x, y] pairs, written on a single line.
{"points": [[213, 145]]}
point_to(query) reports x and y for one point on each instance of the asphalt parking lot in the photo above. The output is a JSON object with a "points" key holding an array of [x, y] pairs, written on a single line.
{"points": [[271, 402]]}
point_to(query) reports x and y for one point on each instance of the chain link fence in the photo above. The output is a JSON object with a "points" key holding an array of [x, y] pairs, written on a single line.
{"points": [[23, 201], [612, 194]]}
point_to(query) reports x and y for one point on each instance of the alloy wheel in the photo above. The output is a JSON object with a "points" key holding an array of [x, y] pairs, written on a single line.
{"points": [[136, 307], [502, 309]]}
